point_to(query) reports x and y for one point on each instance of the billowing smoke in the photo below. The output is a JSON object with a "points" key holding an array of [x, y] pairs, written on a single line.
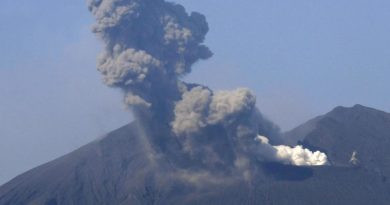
{"points": [[200, 107], [297, 155], [149, 46]]}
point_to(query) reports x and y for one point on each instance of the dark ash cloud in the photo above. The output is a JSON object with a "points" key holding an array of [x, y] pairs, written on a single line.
{"points": [[149, 46]]}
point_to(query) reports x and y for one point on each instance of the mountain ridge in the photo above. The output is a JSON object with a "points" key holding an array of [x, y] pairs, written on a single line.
{"points": [[116, 169], [344, 130]]}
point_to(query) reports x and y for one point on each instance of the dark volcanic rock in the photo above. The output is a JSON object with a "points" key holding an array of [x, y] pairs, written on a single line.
{"points": [[343, 131], [117, 170]]}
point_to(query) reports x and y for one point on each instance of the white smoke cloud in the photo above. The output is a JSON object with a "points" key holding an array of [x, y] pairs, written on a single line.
{"points": [[297, 155]]}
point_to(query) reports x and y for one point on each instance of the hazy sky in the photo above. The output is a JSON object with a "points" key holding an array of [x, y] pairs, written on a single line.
{"points": [[300, 57]]}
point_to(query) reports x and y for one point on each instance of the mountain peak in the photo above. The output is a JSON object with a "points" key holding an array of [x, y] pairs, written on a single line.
{"points": [[355, 108], [347, 130], [359, 106], [117, 169], [357, 114], [339, 114]]}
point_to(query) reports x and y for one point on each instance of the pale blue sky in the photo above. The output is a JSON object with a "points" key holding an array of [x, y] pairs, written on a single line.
{"points": [[300, 57]]}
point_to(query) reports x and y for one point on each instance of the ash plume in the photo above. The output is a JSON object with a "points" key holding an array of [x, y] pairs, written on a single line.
{"points": [[200, 107], [149, 46]]}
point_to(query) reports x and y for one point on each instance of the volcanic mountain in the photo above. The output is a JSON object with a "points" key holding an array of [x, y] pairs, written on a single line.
{"points": [[118, 169], [192, 145], [343, 131]]}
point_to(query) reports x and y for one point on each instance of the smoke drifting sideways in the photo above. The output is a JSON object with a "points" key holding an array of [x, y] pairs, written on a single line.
{"points": [[149, 46], [297, 155]]}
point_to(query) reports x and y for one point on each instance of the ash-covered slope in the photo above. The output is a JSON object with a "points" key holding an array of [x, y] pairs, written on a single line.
{"points": [[190, 144], [343, 131], [117, 169]]}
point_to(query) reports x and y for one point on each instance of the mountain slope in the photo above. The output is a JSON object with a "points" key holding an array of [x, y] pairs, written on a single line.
{"points": [[343, 131], [119, 169]]}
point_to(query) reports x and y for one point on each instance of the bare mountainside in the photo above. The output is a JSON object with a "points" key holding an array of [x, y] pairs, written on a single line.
{"points": [[117, 170], [342, 131]]}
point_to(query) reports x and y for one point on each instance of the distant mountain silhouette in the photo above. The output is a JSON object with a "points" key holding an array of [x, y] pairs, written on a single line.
{"points": [[114, 170], [342, 131]]}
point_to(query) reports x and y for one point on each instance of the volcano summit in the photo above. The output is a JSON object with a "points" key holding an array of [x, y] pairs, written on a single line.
{"points": [[188, 144]]}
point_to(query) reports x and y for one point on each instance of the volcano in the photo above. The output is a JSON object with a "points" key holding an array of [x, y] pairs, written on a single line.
{"points": [[117, 169], [192, 145], [343, 131]]}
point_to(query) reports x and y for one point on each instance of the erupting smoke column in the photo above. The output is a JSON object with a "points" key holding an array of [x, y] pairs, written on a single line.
{"points": [[149, 45]]}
